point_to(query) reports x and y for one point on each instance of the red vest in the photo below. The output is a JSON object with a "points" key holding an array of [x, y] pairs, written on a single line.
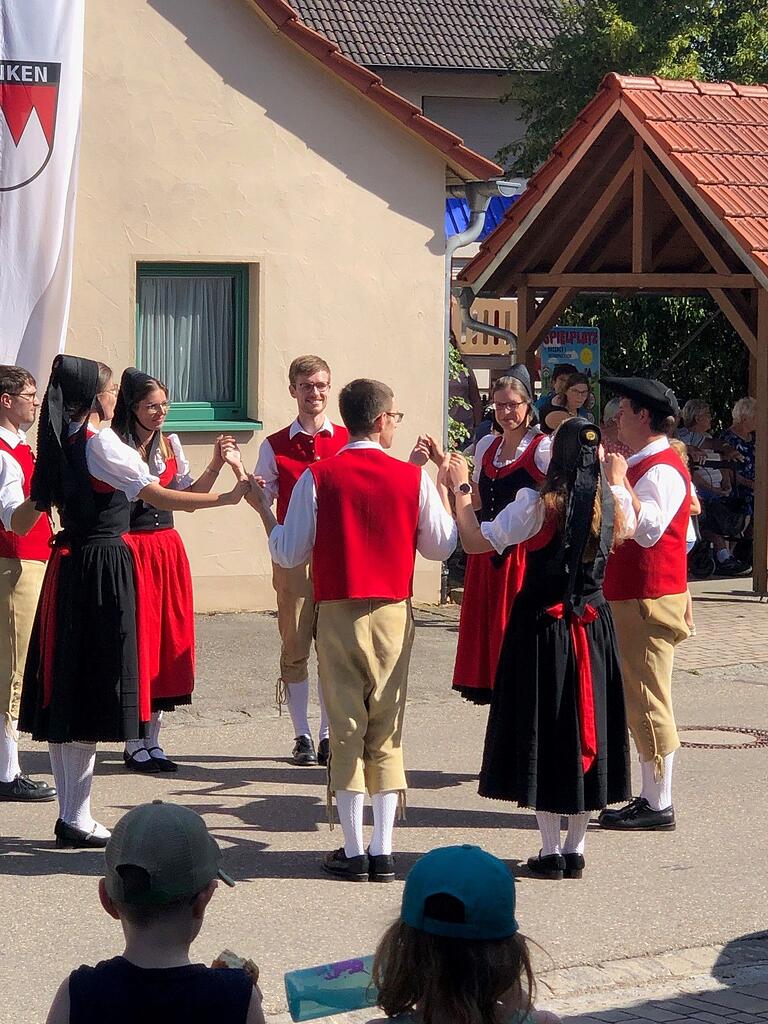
{"points": [[367, 524], [34, 547], [635, 572], [294, 454]]}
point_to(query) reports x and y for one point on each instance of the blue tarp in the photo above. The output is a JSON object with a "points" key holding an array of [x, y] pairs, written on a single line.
{"points": [[457, 215]]}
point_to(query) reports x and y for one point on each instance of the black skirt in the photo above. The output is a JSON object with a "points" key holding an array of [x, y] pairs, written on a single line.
{"points": [[532, 749], [81, 681]]}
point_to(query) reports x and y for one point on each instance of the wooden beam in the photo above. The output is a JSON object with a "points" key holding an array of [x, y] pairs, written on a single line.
{"points": [[582, 235], [736, 316], [662, 240], [526, 314], [685, 217], [760, 525], [641, 229], [548, 316], [602, 281]]}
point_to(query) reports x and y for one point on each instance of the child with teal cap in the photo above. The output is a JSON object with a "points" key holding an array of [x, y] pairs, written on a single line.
{"points": [[456, 953]]}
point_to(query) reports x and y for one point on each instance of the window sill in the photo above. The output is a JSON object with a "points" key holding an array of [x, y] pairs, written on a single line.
{"points": [[212, 426]]}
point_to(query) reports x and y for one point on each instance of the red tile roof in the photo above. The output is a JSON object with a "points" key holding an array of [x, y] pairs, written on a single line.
{"points": [[713, 134], [463, 161]]}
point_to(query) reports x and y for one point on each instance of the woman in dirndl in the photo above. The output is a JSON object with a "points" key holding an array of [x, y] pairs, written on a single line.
{"points": [[81, 680], [557, 734], [165, 609], [503, 465]]}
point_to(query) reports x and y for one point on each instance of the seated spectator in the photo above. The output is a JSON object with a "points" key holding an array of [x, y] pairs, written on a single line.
{"points": [[560, 373], [741, 437], [609, 430], [570, 402], [455, 954], [162, 868], [723, 520], [695, 432]]}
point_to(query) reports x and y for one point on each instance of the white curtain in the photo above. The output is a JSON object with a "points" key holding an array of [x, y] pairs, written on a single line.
{"points": [[186, 336]]}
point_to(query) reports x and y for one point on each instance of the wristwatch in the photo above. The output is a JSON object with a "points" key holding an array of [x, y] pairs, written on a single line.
{"points": [[462, 489]]}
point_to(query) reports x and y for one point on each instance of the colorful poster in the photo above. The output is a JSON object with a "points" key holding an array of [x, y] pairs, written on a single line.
{"points": [[577, 346]]}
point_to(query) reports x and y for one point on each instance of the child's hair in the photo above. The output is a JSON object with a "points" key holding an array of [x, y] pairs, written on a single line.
{"points": [[681, 449], [456, 980]]}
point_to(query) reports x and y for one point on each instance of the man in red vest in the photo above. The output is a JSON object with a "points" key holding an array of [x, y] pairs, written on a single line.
{"points": [[283, 457], [24, 550], [646, 583], [363, 515]]}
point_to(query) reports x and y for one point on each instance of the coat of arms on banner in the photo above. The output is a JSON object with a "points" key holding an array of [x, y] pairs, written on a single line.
{"points": [[29, 96]]}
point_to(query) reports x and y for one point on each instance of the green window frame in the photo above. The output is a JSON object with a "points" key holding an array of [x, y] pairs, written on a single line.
{"points": [[200, 416]]}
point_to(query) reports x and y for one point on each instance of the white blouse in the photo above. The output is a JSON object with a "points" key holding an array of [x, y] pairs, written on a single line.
{"points": [[115, 463], [156, 462], [541, 457]]}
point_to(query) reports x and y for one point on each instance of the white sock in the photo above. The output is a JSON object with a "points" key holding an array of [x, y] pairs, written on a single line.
{"points": [[384, 811], [9, 751], [549, 826], [658, 792], [56, 754], [79, 762], [137, 747], [152, 739], [577, 832], [324, 731], [350, 805], [297, 697]]}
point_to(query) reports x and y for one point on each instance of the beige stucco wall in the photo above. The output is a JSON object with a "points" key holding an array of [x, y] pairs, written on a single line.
{"points": [[208, 136]]}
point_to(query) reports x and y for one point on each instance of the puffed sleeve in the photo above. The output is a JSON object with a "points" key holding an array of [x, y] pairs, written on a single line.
{"points": [[113, 462], [518, 521], [481, 448], [11, 488], [184, 478]]}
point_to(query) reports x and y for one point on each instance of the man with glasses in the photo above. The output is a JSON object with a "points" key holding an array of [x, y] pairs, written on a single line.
{"points": [[282, 459], [24, 551], [362, 516]]}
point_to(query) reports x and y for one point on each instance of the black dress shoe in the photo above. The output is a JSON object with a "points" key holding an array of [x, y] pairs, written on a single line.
{"points": [[164, 764], [551, 866], [381, 867], [69, 837], [304, 751], [639, 816], [351, 869], [574, 865], [323, 752], [148, 767], [25, 790]]}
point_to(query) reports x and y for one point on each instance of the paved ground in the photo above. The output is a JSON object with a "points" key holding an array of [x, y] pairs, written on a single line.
{"points": [[654, 914]]}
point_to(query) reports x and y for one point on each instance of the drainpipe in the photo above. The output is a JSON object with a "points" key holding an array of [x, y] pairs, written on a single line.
{"points": [[466, 297]]}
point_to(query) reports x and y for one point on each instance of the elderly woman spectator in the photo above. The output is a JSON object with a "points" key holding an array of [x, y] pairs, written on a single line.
{"points": [[695, 432], [741, 437], [609, 430]]}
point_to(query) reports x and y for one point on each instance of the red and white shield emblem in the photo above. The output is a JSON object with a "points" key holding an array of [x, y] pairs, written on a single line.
{"points": [[29, 97]]}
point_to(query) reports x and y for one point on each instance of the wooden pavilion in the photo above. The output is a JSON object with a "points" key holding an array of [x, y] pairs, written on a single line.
{"points": [[658, 187]]}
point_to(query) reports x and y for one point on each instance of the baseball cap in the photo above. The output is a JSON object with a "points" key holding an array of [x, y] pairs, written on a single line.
{"points": [[160, 852], [482, 885]]}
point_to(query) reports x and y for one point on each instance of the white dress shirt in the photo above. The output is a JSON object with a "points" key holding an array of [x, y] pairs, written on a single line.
{"points": [[541, 456], [266, 464], [115, 463], [11, 477], [661, 491], [291, 544]]}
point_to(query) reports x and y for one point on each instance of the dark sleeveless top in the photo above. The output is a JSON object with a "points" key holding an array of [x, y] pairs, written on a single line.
{"points": [[95, 511], [118, 992], [144, 517], [499, 486]]}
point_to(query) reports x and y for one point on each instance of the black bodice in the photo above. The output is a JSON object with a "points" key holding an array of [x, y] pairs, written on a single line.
{"points": [[91, 510], [499, 487]]}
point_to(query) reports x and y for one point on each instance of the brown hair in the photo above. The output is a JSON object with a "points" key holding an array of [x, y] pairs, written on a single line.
{"points": [[554, 495], [124, 421], [577, 378], [449, 979], [13, 379], [305, 366], [361, 402], [518, 388]]}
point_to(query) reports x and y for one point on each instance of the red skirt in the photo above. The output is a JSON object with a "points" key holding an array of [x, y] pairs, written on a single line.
{"points": [[491, 583], [165, 622]]}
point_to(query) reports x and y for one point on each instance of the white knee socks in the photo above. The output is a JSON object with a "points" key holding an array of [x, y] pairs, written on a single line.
{"points": [[658, 792], [384, 811], [350, 805], [549, 826], [57, 767], [152, 739], [297, 698], [9, 751], [323, 732], [577, 832], [78, 761]]}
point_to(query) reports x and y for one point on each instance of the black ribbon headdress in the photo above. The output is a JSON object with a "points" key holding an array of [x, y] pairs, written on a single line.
{"points": [[132, 381]]}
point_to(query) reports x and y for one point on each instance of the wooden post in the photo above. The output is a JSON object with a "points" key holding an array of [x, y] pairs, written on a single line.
{"points": [[760, 525], [526, 308]]}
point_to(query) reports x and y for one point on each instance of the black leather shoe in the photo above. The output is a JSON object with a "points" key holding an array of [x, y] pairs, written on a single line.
{"points": [[148, 767], [69, 837], [351, 869], [551, 866], [323, 752], [304, 751], [25, 790], [381, 867], [639, 816], [574, 865], [164, 764]]}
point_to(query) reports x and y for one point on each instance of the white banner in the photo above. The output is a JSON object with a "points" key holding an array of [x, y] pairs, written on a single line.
{"points": [[41, 89]]}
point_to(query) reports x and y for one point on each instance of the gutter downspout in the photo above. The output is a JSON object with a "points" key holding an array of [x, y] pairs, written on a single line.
{"points": [[466, 297]]}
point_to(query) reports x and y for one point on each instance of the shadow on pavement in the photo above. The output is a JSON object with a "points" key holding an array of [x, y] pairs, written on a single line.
{"points": [[35, 857]]}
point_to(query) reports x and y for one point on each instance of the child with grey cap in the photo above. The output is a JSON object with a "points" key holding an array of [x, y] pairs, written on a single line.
{"points": [[456, 953], [162, 868]]}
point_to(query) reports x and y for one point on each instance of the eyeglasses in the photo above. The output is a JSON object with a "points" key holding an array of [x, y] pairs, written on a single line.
{"points": [[28, 396], [396, 416], [508, 406], [157, 407], [311, 386], [579, 391]]}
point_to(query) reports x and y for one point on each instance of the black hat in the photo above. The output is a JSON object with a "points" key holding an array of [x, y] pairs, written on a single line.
{"points": [[131, 381], [520, 372], [650, 394]]}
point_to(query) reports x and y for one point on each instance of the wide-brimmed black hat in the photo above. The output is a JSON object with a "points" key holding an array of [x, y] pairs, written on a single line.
{"points": [[650, 394]]}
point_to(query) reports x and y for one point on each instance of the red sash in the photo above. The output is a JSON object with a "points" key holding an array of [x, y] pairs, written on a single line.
{"points": [[587, 728]]}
